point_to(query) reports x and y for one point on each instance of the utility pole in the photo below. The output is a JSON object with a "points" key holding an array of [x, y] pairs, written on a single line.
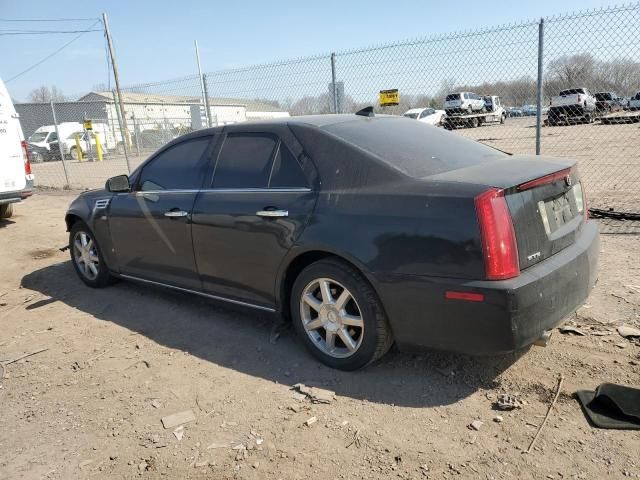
{"points": [[202, 88], [112, 54]]}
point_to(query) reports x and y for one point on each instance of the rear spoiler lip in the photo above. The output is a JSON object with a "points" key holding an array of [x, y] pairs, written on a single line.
{"points": [[506, 173], [547, 179]]}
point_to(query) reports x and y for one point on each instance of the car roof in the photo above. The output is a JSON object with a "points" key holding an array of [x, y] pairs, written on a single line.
{"points": [[415, 110]]}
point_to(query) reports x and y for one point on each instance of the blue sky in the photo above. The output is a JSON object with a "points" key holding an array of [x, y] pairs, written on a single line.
{"points": [[154, 40]]}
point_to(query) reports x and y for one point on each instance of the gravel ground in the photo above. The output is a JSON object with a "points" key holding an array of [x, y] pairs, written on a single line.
{"points": [[120, 359]]}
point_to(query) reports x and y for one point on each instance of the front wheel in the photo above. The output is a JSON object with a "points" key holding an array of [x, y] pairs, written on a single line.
{"points": [[338, 316], [86, 257]]}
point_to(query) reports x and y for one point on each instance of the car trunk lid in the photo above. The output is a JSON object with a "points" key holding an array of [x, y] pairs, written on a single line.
{"points": [[544, 197]]}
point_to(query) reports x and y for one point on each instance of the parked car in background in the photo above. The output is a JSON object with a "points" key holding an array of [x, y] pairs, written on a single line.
{"points": [[39, 154], [495, 249], [529, 110], [514, 112], [430, 116], [608, 102], [573, 104], [634, 102], [16, 179], [463, 102]]}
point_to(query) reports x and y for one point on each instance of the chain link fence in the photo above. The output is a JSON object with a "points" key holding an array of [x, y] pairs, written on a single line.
{"points": [[566, 86]]}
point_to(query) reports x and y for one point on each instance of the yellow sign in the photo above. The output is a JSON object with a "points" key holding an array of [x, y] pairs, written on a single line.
{"points": [[87, 125], [389, 97]]}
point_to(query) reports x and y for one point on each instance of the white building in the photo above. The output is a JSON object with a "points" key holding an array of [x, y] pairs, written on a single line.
{"points": [[145, 111]]}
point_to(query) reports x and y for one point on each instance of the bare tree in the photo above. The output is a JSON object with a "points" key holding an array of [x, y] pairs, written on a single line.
{"points": [[44, 94]]}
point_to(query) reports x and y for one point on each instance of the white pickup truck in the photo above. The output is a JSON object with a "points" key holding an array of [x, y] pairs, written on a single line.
{"points": [[572, 105]]}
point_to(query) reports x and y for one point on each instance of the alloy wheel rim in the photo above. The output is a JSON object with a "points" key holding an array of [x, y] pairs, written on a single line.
{"points": [[85, 255], [331, 318]]}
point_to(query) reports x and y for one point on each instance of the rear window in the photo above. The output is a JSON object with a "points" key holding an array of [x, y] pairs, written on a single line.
{"points": [[414, 148], [572, 91], [452, 96], [604, 96], [411, 115]]}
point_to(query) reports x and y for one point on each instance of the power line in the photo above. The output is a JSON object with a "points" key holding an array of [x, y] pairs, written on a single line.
{"points": [[47, 19], [43, 32], [51, 54]]}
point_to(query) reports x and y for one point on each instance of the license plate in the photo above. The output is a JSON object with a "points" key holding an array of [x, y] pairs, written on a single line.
{"points": [[558, 211]]}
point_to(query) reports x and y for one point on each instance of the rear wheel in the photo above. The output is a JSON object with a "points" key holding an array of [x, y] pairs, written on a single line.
{"points": [[6, 211], [73, 153], [86, 257], [503, 118], [338, 316], [469, 109], [474, 122]]}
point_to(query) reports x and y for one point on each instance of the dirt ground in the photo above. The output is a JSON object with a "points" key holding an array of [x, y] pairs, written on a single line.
{"points": [[119, 359]]}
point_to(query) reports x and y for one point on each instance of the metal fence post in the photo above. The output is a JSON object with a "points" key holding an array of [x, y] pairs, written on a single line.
{"points": [[60, 148], [539, 86], [333, 83], [206, 101], [202, 88], [122, 131]]}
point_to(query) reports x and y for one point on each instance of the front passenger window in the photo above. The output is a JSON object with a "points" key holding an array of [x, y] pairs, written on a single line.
{"points": [[180, 167]]}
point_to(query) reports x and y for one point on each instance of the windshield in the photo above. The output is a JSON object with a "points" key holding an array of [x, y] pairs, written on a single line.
{"points": [[38, 137], [414, 148], [73, 135], [453, 96], [411, 115]]}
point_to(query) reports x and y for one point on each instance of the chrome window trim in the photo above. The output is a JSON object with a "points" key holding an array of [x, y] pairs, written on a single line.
{"points": [[228, 190], [202, 294]]}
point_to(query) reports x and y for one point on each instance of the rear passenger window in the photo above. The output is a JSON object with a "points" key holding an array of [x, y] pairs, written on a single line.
{"points": [[180, 167], [244, 161], [287, 172]]}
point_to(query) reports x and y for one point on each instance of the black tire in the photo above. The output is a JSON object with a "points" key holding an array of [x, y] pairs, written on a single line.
{"points": [[377, 337], [103, 277], [73, 153], [503, 118], [6, 211], [470, 110]]}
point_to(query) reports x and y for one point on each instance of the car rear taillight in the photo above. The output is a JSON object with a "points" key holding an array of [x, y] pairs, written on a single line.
{"points": [[498, 238], [27, 163]]}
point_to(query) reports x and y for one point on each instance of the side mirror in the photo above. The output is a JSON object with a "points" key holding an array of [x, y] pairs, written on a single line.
{"points": [[118, 184]]}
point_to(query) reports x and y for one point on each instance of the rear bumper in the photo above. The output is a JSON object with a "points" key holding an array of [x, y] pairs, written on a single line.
{"points": [[514, 313], [18, 195]]}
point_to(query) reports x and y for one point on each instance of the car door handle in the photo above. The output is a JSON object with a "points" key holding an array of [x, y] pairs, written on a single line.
{"points": [[272, 213], [175, 213]]}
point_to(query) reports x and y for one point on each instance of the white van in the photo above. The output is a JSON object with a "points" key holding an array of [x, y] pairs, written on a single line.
{"points": [[46, 138], [16, 179]]}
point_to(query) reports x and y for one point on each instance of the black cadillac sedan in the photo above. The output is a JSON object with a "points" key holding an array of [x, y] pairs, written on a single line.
{"points": [[362, 230]]}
